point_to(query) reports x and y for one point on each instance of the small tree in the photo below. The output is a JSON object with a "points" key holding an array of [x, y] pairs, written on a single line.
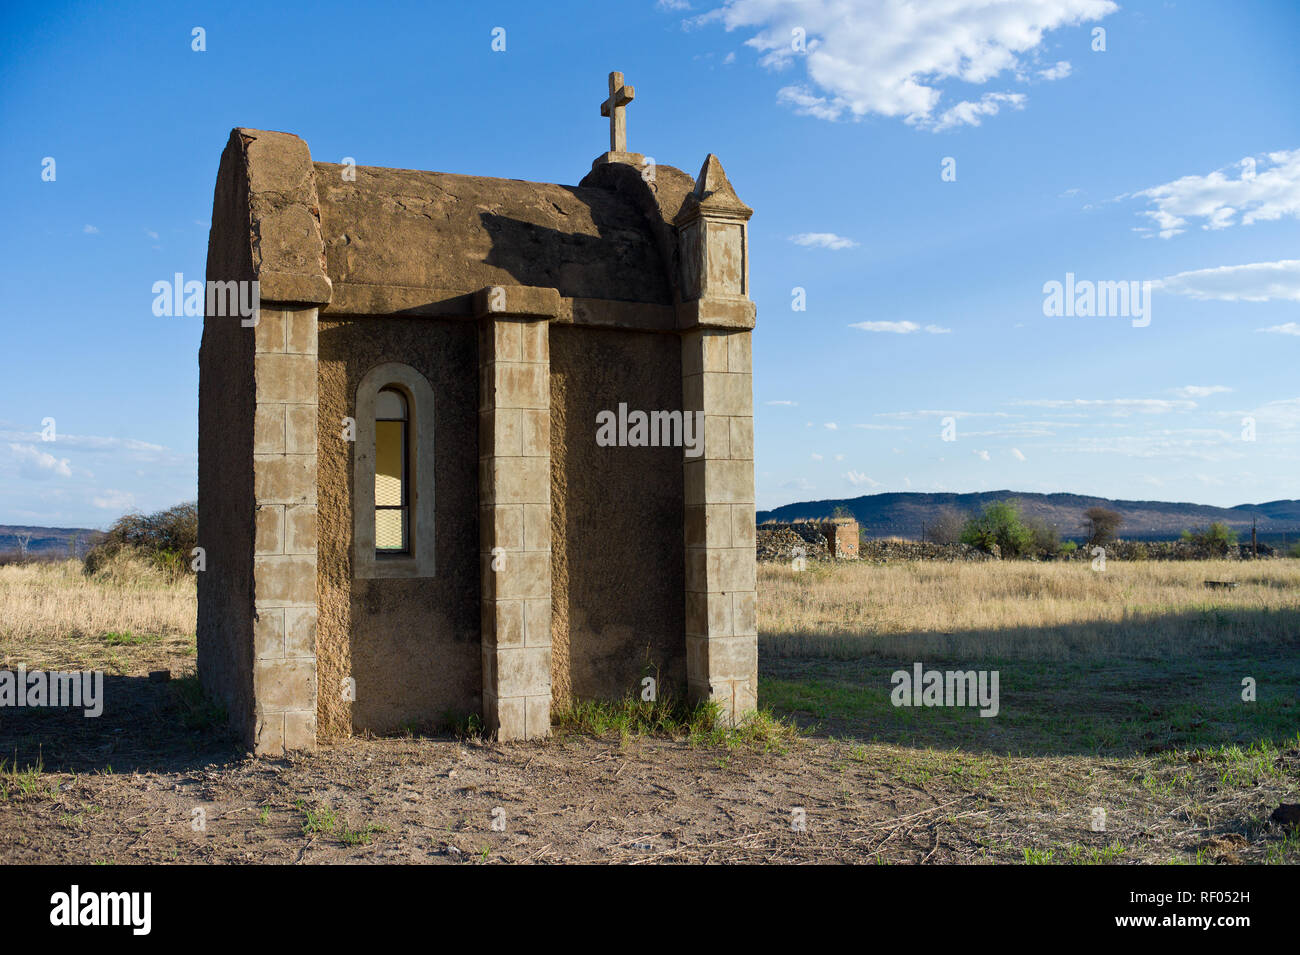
{"points": [[1043, 537], [1100, 524], [1218, 538], [999, 524], [945, 527], [23, 541]]}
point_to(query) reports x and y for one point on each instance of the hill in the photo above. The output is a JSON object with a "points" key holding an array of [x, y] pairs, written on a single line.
{"points": [[47, 541], [907, 514]]}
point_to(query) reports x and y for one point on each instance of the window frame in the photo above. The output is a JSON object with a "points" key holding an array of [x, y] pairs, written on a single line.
{"points": [[417, 561]]}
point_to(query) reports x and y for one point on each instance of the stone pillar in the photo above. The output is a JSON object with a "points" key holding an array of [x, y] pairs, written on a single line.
{"points": [[721, 622], [284, 550], [715, 318], [515, 507]]}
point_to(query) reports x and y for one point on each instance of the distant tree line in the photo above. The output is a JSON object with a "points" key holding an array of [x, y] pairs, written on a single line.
{"points": [[1001, 525]]}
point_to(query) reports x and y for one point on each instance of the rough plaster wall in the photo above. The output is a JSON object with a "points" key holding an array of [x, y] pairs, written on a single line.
{"points": [[618, 562], [226, 518], [436, 230], [411, 645]]}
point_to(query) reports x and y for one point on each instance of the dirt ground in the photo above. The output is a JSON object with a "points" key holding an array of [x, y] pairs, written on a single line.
{"points": [[135, 787]]}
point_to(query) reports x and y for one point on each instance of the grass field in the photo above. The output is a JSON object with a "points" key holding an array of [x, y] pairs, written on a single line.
{"points": [[1141, 657], [1119, 691]]}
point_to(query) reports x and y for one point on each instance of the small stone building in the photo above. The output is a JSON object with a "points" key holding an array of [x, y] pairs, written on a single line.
{"points": [[407, 515]]}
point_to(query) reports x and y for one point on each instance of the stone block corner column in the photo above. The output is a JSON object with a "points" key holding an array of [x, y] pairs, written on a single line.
{"points": [[515, 507], [715, 319], [284, 550]]}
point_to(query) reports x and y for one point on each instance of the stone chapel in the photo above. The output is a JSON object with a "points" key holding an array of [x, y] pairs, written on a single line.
{"points": [[407, 515]]}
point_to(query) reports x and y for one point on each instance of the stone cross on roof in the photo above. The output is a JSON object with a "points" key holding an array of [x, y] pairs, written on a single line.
{"points": [[619, 97]]}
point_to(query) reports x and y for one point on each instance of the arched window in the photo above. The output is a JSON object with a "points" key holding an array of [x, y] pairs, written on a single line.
{"points": [[392, 474], [392, 488]]}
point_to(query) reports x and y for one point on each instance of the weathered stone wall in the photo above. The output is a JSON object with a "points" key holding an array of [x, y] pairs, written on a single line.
{"points": [[617, 557], [225, 589], [412, 645]]}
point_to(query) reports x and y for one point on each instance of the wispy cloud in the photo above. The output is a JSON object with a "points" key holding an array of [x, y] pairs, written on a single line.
{"points": [[1262, 189], [899, 328], [822, 240], [859, 479], [1200, 391], [1254, 282], [1115, 405], [1286, 328]]}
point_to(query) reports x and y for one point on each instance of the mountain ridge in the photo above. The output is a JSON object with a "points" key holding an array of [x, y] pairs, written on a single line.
{"points": [[906, 513]]}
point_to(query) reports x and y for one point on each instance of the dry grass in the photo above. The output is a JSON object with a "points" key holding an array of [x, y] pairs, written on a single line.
{"points": [[52, 616], [1012, 609]]}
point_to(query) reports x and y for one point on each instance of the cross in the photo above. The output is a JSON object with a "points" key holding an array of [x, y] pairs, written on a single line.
{"points": [[619, 97]]}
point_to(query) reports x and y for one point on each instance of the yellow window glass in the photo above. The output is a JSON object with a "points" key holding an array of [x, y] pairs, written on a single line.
{"points": [[391, 492]]}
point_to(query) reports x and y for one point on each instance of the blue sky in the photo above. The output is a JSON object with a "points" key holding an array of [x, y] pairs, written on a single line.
{"points": [[1172, 156]]}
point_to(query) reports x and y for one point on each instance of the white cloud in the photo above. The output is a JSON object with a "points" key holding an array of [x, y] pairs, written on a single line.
{"points": [[1287, 328], [784, 404], [822, 240], [114, 500], [817, 457], [831, 425], [971, 112], [1255, 282], [1058, 71], [858, 479], [1263, 190], [37, 464], [1118, 405], [899, 328], [1018, 454], [671, 5], [942, 414], [982, 455], [892, 57], [1200, 391], [89, 229]]}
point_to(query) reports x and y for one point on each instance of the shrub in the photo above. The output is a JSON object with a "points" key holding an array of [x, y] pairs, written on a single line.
{"points": [[163, 540], [1043, 537], [1069, 547], [1100, 524], [1000, 527], [1218, 538], [947, 526]]}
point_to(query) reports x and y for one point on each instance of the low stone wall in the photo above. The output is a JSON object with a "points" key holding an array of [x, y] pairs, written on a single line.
{"points": [[784, 542], [1168, 550], [883, 551]]}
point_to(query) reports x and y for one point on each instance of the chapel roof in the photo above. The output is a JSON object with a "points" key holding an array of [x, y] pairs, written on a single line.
{"points": [[375, 240]]}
